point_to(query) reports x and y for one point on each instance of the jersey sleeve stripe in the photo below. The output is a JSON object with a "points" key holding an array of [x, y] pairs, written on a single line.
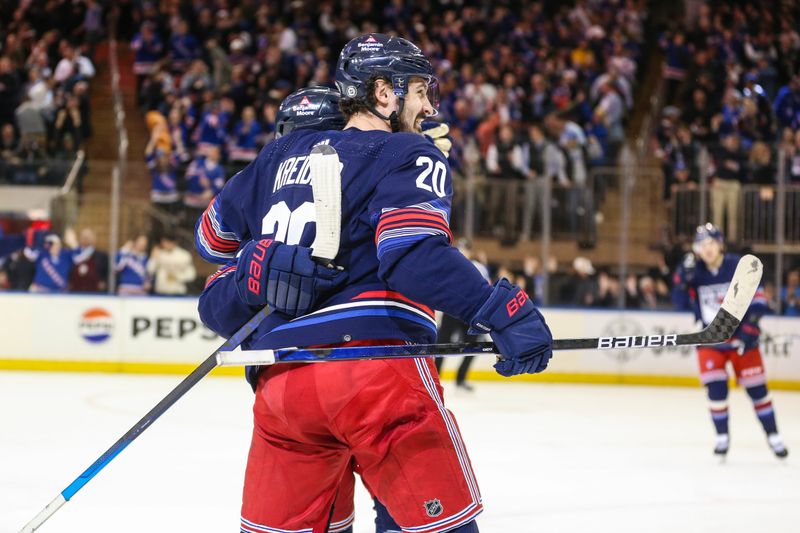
{"points": [[214, 240], [402, 227], [207, 252], [215, 231]]}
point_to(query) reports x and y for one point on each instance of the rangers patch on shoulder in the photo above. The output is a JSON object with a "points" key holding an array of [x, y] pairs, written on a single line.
{"points": [[434, 507]]}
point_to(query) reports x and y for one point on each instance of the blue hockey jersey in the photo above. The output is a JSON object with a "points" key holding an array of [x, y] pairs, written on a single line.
{"points": [[395, 240], [703, 291]]}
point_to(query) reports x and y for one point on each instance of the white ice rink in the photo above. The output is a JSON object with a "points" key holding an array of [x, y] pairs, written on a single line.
{"points": [[549, 458]]}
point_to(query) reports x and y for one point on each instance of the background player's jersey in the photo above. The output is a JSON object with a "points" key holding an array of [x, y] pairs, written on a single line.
{"points": [[704, 292], [395, 240]]}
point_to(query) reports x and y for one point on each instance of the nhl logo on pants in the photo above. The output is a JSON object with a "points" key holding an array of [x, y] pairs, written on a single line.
{"points": [[433, 507]]}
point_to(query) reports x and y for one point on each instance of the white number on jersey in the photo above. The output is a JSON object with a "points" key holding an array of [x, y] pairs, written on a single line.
{"points": [[285, 225], [438, 173]]}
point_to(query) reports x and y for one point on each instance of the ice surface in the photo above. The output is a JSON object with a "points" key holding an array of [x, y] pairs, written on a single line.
{"points": [[549, 458]]}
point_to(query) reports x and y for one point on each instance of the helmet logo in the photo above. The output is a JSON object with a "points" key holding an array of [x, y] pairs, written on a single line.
{"points": [[370, 39], [351, 91], [305, 101]]}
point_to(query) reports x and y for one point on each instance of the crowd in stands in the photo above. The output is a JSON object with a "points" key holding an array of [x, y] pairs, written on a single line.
{"points": [[46, 65], [732, 85], [42, 262], [547, 95]]}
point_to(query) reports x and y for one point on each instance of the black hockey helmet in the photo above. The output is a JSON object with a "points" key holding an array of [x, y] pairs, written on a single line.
{"points": [[315, 108]]}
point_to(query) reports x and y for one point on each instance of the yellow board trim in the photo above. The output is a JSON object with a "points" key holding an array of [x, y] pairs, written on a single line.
{"points": [[41, 365]]}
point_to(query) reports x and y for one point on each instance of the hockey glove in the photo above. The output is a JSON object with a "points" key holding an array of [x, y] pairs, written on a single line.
{"points": [[517, 328], [437, 133], [283, 276], [746, 337]]}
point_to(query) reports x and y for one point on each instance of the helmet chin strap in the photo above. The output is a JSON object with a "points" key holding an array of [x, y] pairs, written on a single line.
{"points": [[393, 118]]}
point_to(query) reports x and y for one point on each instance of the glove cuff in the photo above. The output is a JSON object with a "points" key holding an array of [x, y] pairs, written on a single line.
{"points": [[251, 270]]}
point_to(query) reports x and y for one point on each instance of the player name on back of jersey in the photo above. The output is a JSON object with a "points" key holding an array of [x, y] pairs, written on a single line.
{"points": [[292, 171]]}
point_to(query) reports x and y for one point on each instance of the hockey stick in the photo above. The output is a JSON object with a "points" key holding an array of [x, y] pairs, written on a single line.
{"points": [[326, 186], [737, 299]]}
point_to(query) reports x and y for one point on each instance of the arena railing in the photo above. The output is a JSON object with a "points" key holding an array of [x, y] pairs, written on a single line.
{"points": [[511, 209]]}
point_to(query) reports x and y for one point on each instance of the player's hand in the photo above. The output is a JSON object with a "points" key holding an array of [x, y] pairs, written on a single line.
{"points": [[283, 276], [517, 328], [746, 338], [437, 133]]}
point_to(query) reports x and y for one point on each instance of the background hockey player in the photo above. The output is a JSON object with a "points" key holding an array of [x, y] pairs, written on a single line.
{"points": [[310, 420], [700, 284]]}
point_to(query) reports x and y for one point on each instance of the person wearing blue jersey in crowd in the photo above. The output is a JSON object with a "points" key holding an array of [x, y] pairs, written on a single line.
{"points": [[131, 268], [243, 144], [205, 177], [700, 284], [398, 264], [53, 265]]}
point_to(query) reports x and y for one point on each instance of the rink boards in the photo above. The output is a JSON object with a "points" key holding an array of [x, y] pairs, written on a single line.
{"points": [[164, 335]]}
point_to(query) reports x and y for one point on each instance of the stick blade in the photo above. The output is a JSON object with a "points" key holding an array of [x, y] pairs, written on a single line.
{"points": [[743, 286], [326, 184]]}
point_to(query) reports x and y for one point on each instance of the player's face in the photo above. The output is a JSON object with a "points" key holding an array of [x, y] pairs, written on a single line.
{"points": [[709, 250], [416, 108]]}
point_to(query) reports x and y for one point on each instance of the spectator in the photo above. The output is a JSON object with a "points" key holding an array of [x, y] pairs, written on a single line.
{"points": [[147, 49], [163, 172], [648, 295], [178, 134], [9, 90], [698, 115], [681, 170], [607, 290], [171, 268], [131, 268], [762, 170], [585, 287], [504, 162], [531, 272], [69, 122], [244, 138], [73, 66], [790, 294], [212, 130], [40, 92], [31, 127], [9, 144], [731, 172], [196, 78], [572, 139], [676, 63], [205, 177], [786, 105], [183, 47], [90, 272], [792, 150], [632, 296], [53, 266], [609, 112]]}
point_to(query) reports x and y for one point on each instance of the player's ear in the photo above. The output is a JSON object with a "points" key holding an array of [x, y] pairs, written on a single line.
{"points": [[383, 93]]}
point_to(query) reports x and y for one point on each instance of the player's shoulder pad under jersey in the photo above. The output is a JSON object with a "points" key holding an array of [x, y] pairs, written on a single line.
{"points": [[403, 143]]}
